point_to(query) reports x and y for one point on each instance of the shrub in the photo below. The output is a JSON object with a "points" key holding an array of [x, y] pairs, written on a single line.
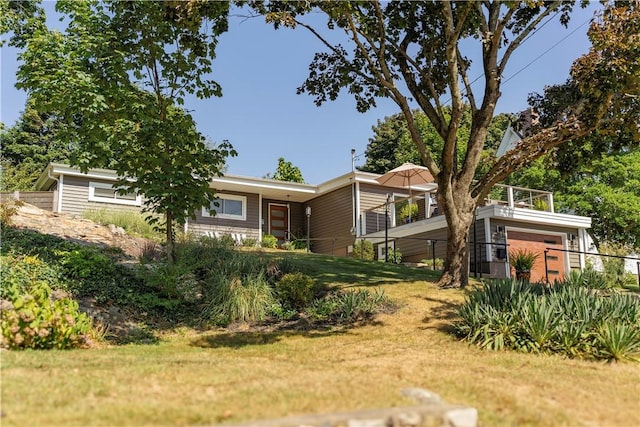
{"points": [[238, 298], [249, 242], [21, 273], [295, 290], [588, 278], [89, 272], [30, 318], [8, 208], [349, 306], [614, 272], [269, 241], [363, 249], [619, 341], [395, 256], [294, 245], [436, 264]]}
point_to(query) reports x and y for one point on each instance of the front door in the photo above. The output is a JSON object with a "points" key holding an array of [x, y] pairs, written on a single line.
{"points": [[279, 222]]}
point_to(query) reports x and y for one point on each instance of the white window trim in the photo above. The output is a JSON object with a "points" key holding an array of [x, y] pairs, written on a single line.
{"points": [[243, 199], [93, 198]]}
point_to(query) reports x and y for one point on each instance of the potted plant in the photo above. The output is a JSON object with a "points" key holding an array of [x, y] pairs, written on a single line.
{"points": [[409, 212], [522, 262]]}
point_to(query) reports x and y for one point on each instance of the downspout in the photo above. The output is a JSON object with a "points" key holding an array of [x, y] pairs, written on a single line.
{"points": [[353, 201], [260, 219], [357, 216], [58, 187]]}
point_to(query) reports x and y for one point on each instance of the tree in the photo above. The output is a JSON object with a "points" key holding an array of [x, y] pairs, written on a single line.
{"points": [[286, 171], [20, 19], [117, 77], [28, 146], [392, 146], [597, 175], [413, 52]]}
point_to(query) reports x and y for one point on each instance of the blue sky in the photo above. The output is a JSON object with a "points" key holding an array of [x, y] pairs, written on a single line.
{"points": [[261, 115]]}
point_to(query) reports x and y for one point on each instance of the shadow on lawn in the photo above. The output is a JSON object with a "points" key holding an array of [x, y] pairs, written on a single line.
{"points": [[332, 270], [441, 316], [241, 339]]}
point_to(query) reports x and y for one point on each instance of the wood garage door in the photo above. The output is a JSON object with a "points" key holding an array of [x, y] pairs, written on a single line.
{"points": [[537, 243]]}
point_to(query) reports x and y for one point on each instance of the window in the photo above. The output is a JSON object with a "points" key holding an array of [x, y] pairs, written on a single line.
{"points": [[106, 193], [228, 206]]}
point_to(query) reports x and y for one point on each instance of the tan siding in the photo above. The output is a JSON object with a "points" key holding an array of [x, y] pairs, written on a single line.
{"points": [[298, 222], [419, 246], [372, 196], [40, 199], [331, 222], [75, 197], [224, 226]]}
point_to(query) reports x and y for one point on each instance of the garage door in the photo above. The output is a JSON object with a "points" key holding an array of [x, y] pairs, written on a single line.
{"points": [[537, 243]]}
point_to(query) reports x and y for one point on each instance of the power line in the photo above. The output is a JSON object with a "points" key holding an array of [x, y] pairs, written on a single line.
{"points": [[537, 57], [545, 52]]}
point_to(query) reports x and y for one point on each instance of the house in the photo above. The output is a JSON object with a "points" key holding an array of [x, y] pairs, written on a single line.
{"points": [[355, 206]]}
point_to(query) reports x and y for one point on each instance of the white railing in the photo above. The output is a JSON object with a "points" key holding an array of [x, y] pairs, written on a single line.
{"points": [[373, 219]]}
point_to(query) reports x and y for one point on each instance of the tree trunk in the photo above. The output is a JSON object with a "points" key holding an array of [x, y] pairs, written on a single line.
{"points": [[171, 256], [456, 265], [459, 211]]}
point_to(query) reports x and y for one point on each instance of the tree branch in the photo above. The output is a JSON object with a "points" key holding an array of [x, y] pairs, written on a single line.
{"points": [[528, 29]]}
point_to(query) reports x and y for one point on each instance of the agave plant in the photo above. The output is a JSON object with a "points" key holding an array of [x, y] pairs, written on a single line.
{"points": [[619, 341], [522, 261]]}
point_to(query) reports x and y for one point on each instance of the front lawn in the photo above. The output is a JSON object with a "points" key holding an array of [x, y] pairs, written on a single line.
{"points": [[209, 377], [203, 374]]}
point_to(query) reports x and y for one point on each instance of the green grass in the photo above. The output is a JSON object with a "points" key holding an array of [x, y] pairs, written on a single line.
{"points": [[209, 377], [132, 222], [342, 271], [232, 375]]}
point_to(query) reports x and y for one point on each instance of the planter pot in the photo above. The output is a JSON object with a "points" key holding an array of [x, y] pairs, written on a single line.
{"points": [[525, 275]]}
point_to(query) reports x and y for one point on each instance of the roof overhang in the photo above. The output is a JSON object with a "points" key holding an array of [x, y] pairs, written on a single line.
{"points": [[268, 188], [54, 170], [528, 216], [531, 216]]}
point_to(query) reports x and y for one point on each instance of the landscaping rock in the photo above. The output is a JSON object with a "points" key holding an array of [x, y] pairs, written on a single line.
{"points": [[76, 229], [432, 412]]}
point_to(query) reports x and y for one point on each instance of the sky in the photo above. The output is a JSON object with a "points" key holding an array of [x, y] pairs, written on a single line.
{"points": [[261, 115]]}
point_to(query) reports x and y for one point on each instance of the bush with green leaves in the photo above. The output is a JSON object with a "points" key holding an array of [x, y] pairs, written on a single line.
{"points": [[395, 256], [295, 245], [269, 241], [295, 290], [30, 317], [614, 273], [348, 306], [566, 318], [23, 272], [363, 249]]}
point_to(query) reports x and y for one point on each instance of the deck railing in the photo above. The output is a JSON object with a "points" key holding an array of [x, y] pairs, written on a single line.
{"points": [[373, 219]]}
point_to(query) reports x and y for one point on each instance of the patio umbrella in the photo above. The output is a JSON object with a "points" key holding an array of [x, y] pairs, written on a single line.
{"points": [[405, 175]]}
